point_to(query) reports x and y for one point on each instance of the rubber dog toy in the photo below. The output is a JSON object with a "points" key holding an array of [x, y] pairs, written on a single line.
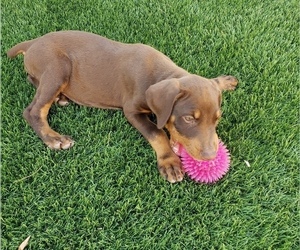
{"points": [[205, 171]]}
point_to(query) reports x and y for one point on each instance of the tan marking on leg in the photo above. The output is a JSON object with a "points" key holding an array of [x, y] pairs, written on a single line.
{"points": [[160, 145], [192, 145], [169, 164], [50, 137]]}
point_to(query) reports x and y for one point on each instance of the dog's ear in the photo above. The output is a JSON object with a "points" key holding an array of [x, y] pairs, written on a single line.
{"points": [[226, 82], [161, 97]]}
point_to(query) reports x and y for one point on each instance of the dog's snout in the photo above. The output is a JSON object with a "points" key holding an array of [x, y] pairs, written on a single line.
{"points": [[208, 154]]}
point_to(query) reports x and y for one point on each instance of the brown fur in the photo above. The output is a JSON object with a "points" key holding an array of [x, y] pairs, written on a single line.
{"points": [[94, 71]]}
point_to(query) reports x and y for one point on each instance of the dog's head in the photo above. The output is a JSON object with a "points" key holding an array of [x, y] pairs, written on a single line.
{"points": [[190, 108]]}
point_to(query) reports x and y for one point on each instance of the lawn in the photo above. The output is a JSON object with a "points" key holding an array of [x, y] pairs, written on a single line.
{"points": [[105, 192]]}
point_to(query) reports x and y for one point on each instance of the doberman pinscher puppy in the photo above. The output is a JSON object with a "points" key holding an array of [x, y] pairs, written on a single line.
{"points": [[94, 71]]}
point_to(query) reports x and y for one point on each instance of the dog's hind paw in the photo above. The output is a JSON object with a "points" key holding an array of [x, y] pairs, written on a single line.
{"points": [[226, 82], [62, 100], [61, 142]]}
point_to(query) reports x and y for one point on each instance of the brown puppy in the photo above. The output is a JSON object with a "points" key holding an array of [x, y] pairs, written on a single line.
{"points": [[94, 71]]}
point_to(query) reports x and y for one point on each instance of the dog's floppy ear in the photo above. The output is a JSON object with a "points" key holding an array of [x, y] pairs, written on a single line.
{"points": [[226, 82], [161, 97]]}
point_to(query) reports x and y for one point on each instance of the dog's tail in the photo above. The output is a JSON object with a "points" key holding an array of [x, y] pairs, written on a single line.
{"points": [[20, 48]]}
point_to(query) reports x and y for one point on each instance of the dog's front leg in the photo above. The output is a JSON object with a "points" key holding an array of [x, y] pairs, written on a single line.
{"points": [[168, 162]]}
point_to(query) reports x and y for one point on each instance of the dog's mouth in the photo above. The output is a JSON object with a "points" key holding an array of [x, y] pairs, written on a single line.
{"points": [[175, 147], [178, 148], [205, 155]]}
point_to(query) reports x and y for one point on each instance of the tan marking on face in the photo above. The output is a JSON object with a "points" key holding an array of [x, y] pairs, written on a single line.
{"points": [[197, 114], [194, 146], [172, 119]]}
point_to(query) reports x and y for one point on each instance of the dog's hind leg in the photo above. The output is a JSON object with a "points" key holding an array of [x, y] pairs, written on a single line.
{"points": [[60, 99], [33, 80], [52, 81]]}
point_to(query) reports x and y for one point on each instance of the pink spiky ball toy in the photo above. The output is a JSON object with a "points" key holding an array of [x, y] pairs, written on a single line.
{"points": [[209, 171]]}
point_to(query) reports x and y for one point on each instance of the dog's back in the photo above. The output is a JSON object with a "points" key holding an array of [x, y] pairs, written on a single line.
{"points": [[78, 42], [97, 62]]}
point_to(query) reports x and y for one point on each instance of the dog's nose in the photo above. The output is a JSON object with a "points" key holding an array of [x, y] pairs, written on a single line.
{"points": [[208, 155]]}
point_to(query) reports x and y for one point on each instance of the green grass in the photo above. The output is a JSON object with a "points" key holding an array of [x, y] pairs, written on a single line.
{"points": [[105, 192]]}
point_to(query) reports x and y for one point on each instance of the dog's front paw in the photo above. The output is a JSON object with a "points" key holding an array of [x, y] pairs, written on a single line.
{"points": [[170, 169], [59, 142]]}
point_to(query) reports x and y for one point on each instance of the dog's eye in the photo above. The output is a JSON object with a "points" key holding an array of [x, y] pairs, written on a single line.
{"points": [[189, 119]]}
